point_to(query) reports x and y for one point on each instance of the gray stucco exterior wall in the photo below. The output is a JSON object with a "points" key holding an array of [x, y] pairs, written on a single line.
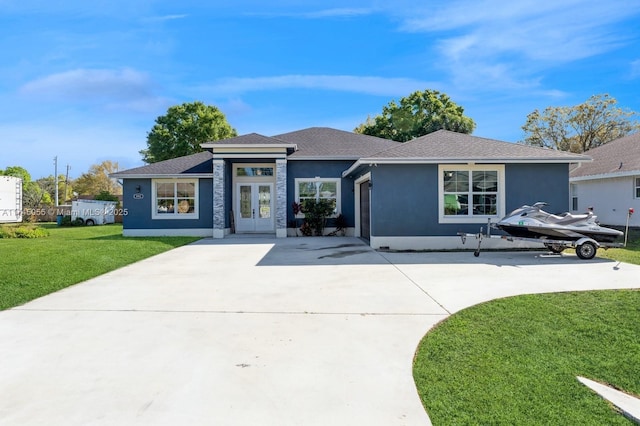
{"points": [[530, 183], [323, 169], [139, 210], [404, 198]]}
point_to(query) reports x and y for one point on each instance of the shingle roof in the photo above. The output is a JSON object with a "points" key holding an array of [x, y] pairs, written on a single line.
{"points": [[249, 139], [200, 163], [616, 157], [324, 143], [447, 145]]}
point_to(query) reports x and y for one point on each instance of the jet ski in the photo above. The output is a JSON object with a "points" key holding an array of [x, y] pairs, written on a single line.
{"points": [[533, 222]]}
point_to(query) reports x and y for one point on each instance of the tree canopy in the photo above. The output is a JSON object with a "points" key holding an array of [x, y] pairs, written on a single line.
{"points": [[17, 171], [416, 115], [183, 128], [97, 180], [581, 127], [48, 185]]}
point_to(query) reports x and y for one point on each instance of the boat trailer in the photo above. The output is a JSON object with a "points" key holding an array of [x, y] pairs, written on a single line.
{"points": [[585, 247]]}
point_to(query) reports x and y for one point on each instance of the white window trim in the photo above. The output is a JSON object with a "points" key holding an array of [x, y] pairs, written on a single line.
{"points": [[636, 186], [471, 168], [337, 181], [573, 195], [174, 216]]}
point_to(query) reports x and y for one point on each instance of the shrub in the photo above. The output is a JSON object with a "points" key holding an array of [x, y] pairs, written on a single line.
{"points": [[66, 221], [107, 196], [341, 225], [23, 231], [316, 214], [306, 230]]}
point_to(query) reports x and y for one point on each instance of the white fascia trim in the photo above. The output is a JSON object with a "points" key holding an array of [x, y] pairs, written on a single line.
{"points": [[375, 161], [606, 176], [249, 146], [351, 169], [167, 176], [473, 160], [233, 155], [447, 243], [174, 232], [323, 158]]}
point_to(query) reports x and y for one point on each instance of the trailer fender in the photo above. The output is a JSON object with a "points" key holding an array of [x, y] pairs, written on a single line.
{"points": [[586, 239]]}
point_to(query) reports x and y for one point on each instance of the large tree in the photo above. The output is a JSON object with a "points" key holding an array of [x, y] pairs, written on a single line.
{"points": [[581, 127], [48, 185], [183, 128], [416, 115], [97, 180]]}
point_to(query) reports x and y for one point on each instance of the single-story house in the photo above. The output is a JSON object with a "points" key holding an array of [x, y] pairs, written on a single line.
{"points": [[413, 195], [611, 183]]}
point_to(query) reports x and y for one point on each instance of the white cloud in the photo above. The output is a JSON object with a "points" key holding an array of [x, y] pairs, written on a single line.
{"points": [[80, 83], [338, 12], [492, 43], [124, 88], [165, 18], [379, 86]]}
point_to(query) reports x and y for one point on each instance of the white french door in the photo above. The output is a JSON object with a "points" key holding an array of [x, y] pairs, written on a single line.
{"points": [[254, 207]]}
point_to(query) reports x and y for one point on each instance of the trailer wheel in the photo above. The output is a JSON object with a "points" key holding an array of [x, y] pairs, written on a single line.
{"points": [[89, 222], [555, 248], [586, 250]]}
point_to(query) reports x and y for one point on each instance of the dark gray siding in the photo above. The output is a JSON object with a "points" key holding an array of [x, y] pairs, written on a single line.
{"points": [[530, 183], [323, 169], [404, 198], [139, 211]]}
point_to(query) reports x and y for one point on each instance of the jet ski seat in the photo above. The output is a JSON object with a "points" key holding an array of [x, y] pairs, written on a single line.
{"points": [[568, 218]]}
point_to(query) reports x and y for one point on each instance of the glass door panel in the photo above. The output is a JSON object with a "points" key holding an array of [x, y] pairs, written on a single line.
{"points": [[254, 207], [245, 201], [264, 200]]}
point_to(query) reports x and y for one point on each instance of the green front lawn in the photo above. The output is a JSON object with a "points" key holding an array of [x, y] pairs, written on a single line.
{"points": [[629, 254], [30, 268], [515, 360]]}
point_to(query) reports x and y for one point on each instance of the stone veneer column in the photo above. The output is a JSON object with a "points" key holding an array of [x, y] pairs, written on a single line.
{"points": [[218, 199], [281, 198]]}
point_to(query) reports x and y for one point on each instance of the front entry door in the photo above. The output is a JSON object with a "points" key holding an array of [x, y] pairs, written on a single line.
{"points": [[254, 207]]}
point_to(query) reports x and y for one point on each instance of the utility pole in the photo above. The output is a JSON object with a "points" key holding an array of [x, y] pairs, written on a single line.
{"points": [[55, 176], [66, 181]]}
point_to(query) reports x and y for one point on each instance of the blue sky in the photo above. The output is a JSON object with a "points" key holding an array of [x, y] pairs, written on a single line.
{"points": [[85, 80]]}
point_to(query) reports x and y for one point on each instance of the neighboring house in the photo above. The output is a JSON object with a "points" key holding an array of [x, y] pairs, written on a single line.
{"points": [[412, 195], [611, 183]]}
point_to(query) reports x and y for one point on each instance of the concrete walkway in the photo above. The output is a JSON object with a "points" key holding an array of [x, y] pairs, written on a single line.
{"points": [[256, 331]]}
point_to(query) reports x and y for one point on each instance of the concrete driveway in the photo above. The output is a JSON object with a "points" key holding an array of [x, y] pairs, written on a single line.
{"points": [[256, 331]]}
